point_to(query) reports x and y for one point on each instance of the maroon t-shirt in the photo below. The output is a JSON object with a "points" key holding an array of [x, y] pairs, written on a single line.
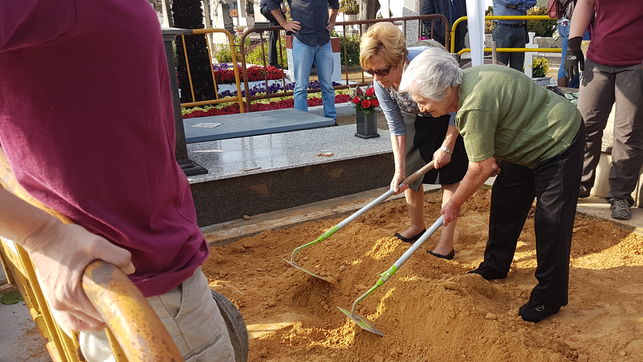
{"points": [[617, 36], [86, 122]]}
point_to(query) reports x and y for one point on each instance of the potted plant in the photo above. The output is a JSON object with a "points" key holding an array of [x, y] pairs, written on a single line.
{"points": [[539, 71], [366, 108], [350, 9]]}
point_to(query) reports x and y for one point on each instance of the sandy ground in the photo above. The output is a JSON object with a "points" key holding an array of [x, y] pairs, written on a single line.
{"points": [[431, 309]]}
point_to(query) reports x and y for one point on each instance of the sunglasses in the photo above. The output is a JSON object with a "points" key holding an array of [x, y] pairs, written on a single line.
{"points": [[381, 72]]}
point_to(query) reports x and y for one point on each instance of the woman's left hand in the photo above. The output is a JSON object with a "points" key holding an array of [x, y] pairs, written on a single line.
{"points": [[441, 158]]}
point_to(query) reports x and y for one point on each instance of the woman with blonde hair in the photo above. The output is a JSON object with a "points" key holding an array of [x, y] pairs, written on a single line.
{"points": [[416, 138]]}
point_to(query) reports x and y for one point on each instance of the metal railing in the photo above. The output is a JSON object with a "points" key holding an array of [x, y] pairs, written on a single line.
{"points": [[361, 81], [259, 32], [217, 99], [503, 50]]}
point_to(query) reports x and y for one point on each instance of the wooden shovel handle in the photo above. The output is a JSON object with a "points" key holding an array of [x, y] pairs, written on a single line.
{"points": [[128, 314], [415, 175]]}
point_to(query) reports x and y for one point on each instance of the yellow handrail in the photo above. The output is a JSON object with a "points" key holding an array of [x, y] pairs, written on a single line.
{"points": [[497, 17], [235, 66], [516, 50]]}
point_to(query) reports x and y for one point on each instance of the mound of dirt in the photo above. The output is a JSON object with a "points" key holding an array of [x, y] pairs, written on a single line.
{"points": [[430, 309]]}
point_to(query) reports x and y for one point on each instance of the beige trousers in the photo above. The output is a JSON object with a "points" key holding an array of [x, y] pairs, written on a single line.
{"points": [[190, 315]]}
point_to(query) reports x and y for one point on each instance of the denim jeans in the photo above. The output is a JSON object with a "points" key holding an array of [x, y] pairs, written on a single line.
{"points": [[507, 36], [563, 31], [303, 58]]}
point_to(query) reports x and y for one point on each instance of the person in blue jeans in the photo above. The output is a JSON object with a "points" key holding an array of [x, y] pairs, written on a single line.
{"points": [[564, 80], [511, 33], [311, 25]]}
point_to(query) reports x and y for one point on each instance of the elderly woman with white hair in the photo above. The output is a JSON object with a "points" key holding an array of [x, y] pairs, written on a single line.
{"points": [[537, 136]]}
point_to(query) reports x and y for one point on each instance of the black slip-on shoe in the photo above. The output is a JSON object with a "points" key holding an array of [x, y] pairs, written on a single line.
{"points": [[449, 256], [412, 239]]}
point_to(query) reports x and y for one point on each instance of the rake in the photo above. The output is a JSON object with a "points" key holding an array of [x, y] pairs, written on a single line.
{"points": [[328, 233], [365, 323]]}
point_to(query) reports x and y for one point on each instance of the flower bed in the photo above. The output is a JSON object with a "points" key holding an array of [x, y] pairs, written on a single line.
{"points": [[273, 87], [262, 105], [224, 73]]}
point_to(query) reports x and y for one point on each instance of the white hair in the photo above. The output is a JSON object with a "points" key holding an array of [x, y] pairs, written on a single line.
{"points": [[431, 73]]}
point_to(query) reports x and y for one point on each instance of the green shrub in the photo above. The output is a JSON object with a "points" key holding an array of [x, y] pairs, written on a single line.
{"points": [[540, 27], [222, 53], [255, 56], [349, 7], [351, 44]]}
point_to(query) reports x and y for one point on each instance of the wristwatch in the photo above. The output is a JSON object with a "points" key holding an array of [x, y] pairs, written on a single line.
{"points": [[446, 149]]}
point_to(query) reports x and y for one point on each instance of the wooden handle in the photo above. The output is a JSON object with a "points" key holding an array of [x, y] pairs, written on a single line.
{"points": [[415, 175], [128, 314]]}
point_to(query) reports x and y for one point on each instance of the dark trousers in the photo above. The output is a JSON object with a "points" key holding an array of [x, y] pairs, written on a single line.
{"points": [[554, 183], [274, 36], [602, 86], [511, 36]]}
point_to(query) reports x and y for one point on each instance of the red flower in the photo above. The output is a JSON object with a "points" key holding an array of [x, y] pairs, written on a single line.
{"points": [[375, 102], [366, 104], [370, 92], [356, 100]]}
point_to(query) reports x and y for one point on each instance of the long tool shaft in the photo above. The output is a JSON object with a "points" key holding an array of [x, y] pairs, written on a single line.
{"points": [[399, 262], [328, 233], [343, 223]]}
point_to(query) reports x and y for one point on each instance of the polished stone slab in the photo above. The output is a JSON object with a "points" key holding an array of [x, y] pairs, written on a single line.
{"points": [[258, 174], [272, 152], [202, 129]]}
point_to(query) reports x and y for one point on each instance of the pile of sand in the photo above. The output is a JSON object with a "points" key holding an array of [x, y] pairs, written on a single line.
{"points": [[431, 309]]}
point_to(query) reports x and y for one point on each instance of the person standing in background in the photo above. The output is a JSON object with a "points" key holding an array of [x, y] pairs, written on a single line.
{"points": [[452, 10], [511, 33], [612, 75], [312, 22], [566, 8], [274, 35]]}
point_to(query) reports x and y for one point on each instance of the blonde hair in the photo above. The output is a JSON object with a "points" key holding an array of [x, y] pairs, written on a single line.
{"points": [[384, 40]]}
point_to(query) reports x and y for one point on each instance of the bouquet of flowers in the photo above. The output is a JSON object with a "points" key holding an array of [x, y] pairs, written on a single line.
{"points": [[365, 101]]}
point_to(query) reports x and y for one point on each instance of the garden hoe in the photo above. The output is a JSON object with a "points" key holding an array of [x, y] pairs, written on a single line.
{"points": [[414, 176], [363, 322]]}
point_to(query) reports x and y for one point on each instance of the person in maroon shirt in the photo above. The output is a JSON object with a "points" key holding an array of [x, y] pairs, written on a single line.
{"points": [[86, 123], [612, 74]]}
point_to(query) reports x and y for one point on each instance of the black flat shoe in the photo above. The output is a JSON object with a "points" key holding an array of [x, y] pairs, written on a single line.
{"points": [[447, 257], [412, 239]]}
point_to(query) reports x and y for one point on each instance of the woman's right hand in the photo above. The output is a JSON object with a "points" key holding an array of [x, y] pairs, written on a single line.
{"points": [[396, 181]]}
